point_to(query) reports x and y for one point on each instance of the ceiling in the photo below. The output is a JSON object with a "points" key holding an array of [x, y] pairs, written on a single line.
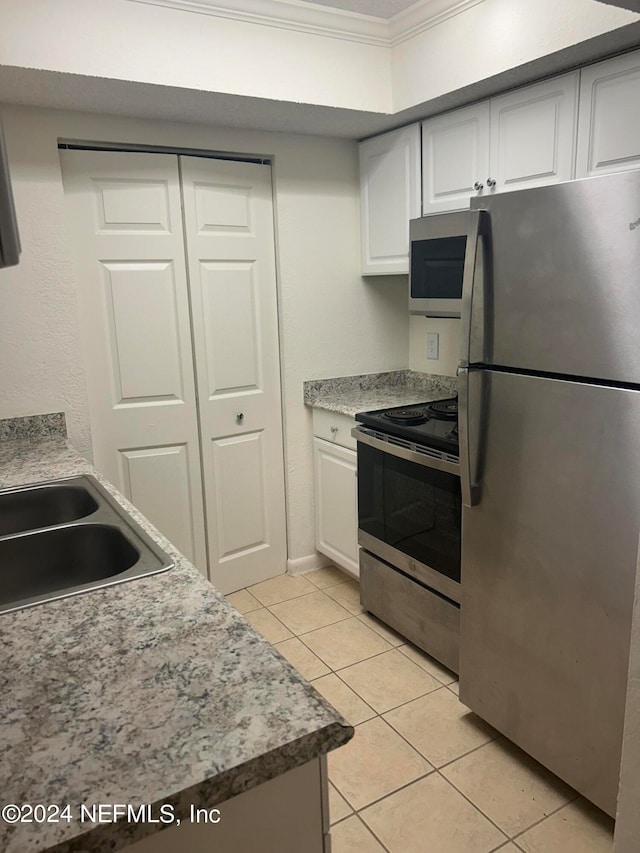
{"points": [[375, 8]]}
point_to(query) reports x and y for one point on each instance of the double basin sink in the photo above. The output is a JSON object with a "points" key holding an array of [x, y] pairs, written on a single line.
{"points": [[66, 537]]}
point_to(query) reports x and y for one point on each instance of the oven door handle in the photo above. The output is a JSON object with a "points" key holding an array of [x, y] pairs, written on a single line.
{"points": [[362, 435]]}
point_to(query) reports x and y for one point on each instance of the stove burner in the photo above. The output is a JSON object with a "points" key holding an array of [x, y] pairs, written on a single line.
{"points": [[406, 416], [443, 410]]}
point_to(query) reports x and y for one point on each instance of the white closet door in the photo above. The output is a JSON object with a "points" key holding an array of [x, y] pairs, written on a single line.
{"points": [[230, 247], [126, 223]]}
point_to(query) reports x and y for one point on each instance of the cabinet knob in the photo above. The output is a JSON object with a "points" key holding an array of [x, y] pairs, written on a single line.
{"points": [[478, 186], [334, 429], [491, 182], [240, 416]]}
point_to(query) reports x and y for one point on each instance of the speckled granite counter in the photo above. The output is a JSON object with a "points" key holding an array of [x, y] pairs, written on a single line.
{"points": [[349, 395], [152, 691]]}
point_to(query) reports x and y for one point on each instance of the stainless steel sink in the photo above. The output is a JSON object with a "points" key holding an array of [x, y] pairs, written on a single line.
{"points": [[42, 506], [68, 537]]}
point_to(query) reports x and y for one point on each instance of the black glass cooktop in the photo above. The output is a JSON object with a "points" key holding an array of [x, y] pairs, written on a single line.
{"points": [[434, 424]]}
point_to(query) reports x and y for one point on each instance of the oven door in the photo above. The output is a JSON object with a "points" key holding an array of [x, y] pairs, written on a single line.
{"points": [[409, 511]]}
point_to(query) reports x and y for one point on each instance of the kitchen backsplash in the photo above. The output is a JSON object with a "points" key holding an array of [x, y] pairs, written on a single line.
{"points": [[52, 424]]}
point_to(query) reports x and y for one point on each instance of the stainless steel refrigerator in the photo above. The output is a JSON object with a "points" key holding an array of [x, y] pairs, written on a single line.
{"points": [[550, 465]]}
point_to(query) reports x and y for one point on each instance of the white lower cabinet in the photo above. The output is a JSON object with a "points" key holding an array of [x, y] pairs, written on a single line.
{"points": [[336, 494], [288, 814]]}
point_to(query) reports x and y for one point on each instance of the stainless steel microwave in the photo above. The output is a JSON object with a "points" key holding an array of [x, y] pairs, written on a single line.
{"points": [[9, 239], [436, 267]]}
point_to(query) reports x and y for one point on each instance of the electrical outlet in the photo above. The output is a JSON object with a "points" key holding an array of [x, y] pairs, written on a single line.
{"points": [[433, 344]]}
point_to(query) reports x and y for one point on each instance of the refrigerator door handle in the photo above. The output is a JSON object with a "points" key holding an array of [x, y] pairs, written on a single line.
{"points": [[473, 290], [469, 432]]}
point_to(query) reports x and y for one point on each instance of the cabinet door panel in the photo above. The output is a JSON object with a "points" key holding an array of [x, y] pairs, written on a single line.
{"points": [[455, 155], [389, 197], [609, 128], [533, 134], [336, 504]]}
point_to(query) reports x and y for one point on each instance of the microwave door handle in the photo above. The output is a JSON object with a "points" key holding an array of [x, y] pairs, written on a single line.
{"points": [[473, 286]]}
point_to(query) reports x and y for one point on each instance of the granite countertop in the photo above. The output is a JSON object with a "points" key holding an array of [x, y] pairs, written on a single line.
{"points": [[147, 692], [367, 392]]}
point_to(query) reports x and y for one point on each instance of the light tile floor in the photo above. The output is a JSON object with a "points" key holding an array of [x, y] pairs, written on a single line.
{"points": [[422, 774]]}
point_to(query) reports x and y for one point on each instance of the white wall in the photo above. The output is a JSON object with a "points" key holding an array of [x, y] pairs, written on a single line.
{"points": [[448, 331], [121, 40], [490, 38], [333, 322], [150, 44]]}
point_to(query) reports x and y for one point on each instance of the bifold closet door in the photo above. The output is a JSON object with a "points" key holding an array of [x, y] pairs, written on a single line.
{"points": [[126, 216], [229, 233]]}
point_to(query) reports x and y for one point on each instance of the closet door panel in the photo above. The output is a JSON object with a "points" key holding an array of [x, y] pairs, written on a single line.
{"points": [[149, 475], [125, 222], [230, 247]]}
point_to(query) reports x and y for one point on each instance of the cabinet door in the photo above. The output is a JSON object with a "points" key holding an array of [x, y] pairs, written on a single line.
{"points": [[389, 198], [336, 504], [609, 125], [533, 135], [455, 158]]}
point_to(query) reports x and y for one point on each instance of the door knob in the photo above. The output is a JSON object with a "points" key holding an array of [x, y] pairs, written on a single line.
{"points": [[240, 416], [478, 186], [491, 182]]}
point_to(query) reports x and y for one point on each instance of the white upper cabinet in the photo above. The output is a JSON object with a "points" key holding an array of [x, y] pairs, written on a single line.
{"points": [[390, 197], [455, 158], [533, 135], [609, 125], [526, 138]]}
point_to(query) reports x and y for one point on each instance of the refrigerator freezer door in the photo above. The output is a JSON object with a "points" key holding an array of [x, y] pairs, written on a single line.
{"points": [[563, 294], [548, 573]]}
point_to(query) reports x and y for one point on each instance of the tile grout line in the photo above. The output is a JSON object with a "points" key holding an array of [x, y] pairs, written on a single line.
{"points": [[388, 710], [320, 627], [520, 832], [507, 837], [390, 793], [470, 752], [542, 819], [278, 621], [368, 828]]}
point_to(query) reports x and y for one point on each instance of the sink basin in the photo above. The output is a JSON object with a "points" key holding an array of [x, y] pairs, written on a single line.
{"points": [[50, 561], [68, 537], [42, 506]]}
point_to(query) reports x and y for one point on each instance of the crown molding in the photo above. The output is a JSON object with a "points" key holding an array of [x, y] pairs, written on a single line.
{"points": [[326, 21], [289, 15], [424, 15]]}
